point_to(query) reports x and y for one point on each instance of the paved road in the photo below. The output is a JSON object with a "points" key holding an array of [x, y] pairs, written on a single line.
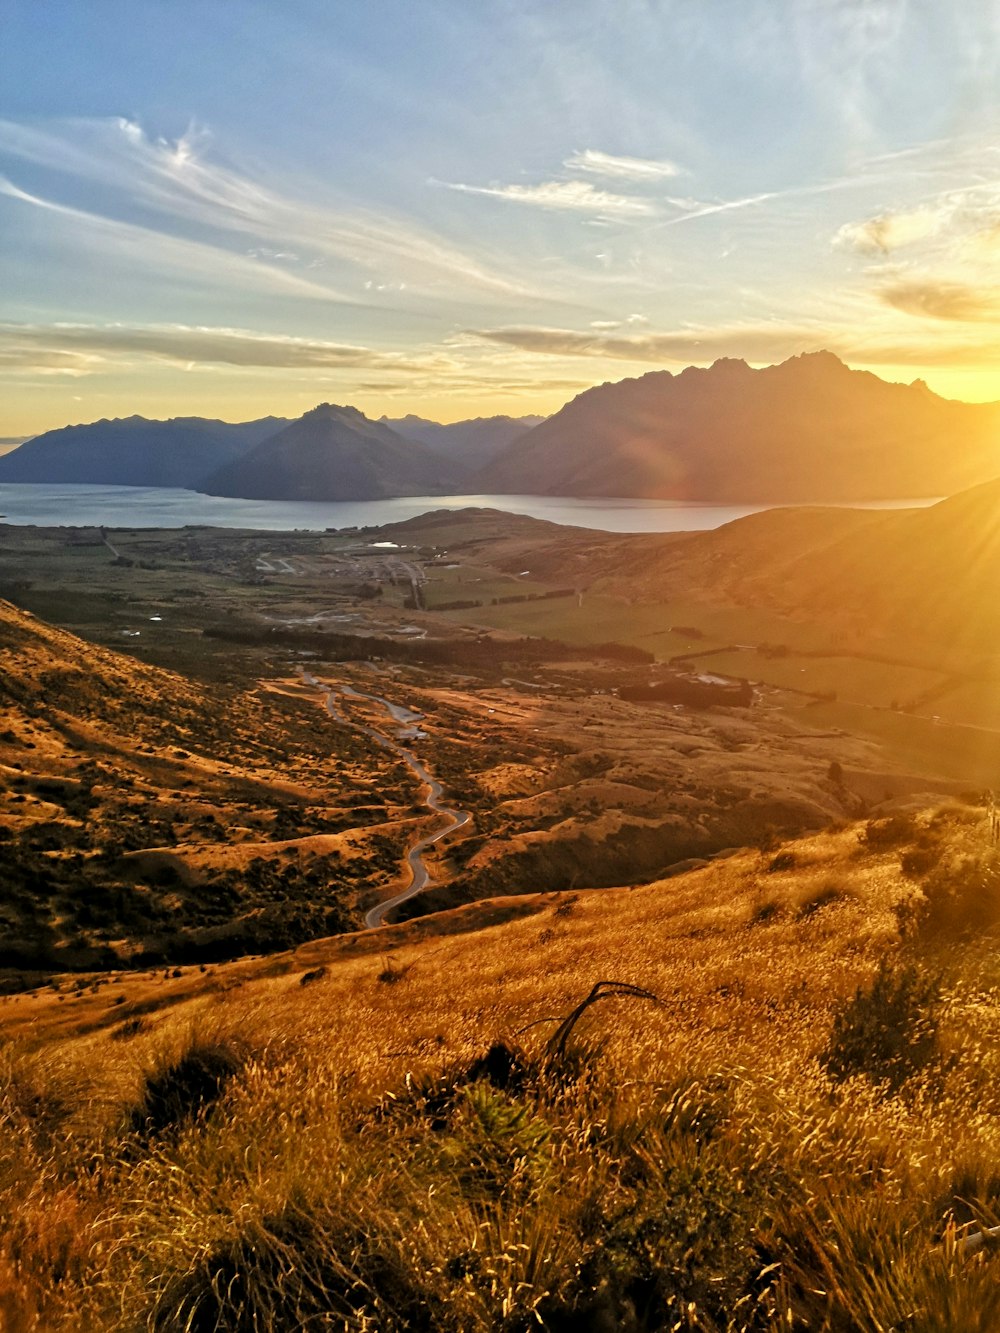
{"points": [[420, 876]]}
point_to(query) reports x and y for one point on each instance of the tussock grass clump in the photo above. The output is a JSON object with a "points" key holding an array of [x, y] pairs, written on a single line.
{"points": [[888, 1032], [783, 861], [391, 972], [183, 1086], [312, 976], [129, 1028], [815, 897], [302, 1267]]}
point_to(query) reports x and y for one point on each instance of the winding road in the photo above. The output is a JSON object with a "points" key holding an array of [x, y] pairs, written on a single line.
{"points": [[420, 876]]}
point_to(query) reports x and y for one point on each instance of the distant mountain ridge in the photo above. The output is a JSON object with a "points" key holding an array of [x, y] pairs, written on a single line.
{"points": [[469, 445], [332, 453], [133, 451], [809, 429]]}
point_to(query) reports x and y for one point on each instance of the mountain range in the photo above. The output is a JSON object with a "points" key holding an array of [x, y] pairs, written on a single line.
{"points": [[468, 445], [332, 453], [807, 430], [133, 451]]}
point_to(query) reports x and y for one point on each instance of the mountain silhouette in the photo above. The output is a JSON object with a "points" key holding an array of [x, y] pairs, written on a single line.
{"points": [[468, 445], [809, 429], [133, 451], [332, 453]]}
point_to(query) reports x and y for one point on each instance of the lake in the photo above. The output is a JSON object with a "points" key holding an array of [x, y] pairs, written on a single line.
{"points": [[153, 507]]}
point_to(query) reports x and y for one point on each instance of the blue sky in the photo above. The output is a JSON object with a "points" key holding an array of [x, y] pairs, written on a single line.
{"points": [[455, 208]]}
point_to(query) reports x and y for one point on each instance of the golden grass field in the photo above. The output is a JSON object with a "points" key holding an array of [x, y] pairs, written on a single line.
{"points": [[234, 1149]]}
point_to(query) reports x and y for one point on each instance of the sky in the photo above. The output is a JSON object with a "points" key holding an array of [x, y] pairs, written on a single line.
{"points": [[232, 209]]}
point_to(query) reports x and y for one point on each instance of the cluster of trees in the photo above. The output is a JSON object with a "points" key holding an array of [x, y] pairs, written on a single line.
{"points": [[692, 693], [468, 653]]}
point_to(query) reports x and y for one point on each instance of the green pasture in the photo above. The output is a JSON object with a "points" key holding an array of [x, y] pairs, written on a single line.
{"points": [[854, 679], [975, 703], [649, 625], [966, 754]]}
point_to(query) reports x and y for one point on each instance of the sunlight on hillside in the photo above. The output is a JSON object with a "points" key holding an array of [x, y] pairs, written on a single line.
{"points": [[388, 1141]]}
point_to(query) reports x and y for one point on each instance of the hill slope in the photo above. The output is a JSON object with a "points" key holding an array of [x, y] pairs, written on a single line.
{"points": [[332, 453], [135, 452], [924, 574], [807, 430], [145, 818], [391, 1131]]}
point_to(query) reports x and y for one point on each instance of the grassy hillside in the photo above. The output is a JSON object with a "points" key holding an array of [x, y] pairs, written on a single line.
{"points": [[146, 818], [923, 579], [792, 1122]]}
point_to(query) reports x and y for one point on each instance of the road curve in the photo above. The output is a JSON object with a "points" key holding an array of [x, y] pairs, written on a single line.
{"points": [[420, 876]]}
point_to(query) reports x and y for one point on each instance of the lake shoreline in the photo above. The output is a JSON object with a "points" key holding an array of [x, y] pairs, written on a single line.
{"points": [[64, 505]]}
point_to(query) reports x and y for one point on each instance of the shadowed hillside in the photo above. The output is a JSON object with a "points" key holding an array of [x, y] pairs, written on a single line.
{"points": [[145, 819], [468, 445]]}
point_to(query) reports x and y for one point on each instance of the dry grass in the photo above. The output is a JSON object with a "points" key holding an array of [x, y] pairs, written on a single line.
{"points": [[369, 1162]]}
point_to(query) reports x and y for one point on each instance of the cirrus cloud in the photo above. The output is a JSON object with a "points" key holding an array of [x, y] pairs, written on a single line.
{"points": [[596, 163], [562, 196], [889, 231], [81, 348]]}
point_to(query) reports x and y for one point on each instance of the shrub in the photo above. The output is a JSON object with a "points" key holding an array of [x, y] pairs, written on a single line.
{"points": [[888, 832], [962, 897], [918, 860], [181, 1089], [886, 1033], [299, 1268]]}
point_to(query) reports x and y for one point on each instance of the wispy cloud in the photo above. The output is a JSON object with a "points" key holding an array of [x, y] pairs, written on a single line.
{"points": [[957, 218], [180, 181], [81, 348], [944, 300], [759, 343], [156, 249], [640, 169], [563, 196], [883, 234]]}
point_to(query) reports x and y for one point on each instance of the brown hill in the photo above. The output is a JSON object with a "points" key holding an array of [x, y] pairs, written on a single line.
{"points": [[145, 819], [807, 430], [926, 576], [785, 1117]]}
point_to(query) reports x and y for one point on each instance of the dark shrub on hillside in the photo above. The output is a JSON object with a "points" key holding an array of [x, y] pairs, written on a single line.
{"points": [[886, 1033], [181, 1090], [962, 897], [920, 859], [301, 1268], [888, 832], [783, 861]]}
